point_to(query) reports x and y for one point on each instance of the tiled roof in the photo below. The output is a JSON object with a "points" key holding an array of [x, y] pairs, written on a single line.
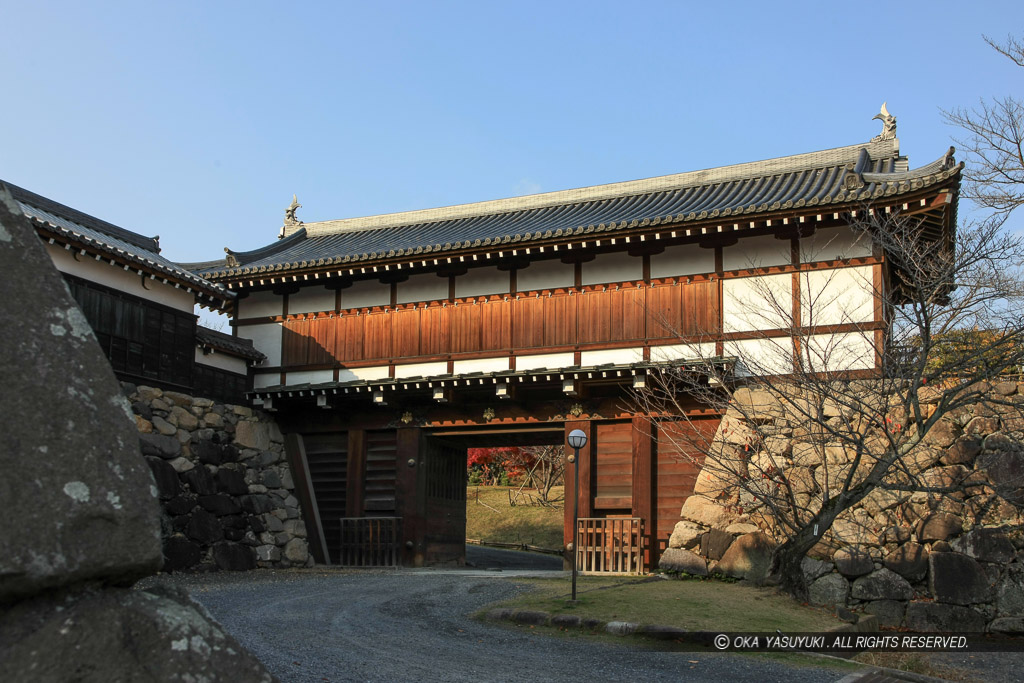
{"points": [[235, 346], [111, 240], [844, 175]]}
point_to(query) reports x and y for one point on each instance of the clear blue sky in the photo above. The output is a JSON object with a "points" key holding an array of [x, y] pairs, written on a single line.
{"points": [[198, 120]]}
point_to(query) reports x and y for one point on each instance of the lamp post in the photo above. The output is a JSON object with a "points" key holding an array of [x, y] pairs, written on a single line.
{"points": [[577, 440]]}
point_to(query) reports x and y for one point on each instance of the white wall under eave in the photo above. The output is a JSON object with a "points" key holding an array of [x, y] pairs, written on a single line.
{"points": [[423, 287], [762, 302], [266, 339], [421, 369], [116, 277], [222, 361], [683, 259], [267, 380], [482, 281], [764, 356], [549, 274], [464, 367], [837, 296], [830, 244], [616, 356], [366, 293], [371, 373], [309, 377], [313, 299], [757, 252], [551, 361], [263, 304], [840, 352], [614, 267], [669, 352]]}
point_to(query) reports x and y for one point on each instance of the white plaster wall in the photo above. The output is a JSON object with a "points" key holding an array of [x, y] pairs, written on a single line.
{"points": [[423, 287], [551, 361], [838, 296], [837, 352], [766, 356], [763, 302], [615, 267], [366, 293], [310, 377], [116, 277], [421, 369], [371, 373], [260, 305], [545, 275], [311, 300], [266, 339], [216, 359], [835, 243], [268, 380], [757, 252], [617, 356], [682, 351], [684, 259], [463, 367], [481, 281]]}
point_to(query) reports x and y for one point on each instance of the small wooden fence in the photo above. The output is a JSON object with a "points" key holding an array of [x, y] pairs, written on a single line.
{"points": [[370, 541], [610, 546]]}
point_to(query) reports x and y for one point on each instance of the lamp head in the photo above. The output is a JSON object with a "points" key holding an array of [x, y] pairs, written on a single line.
{"points": [[577, 439]]}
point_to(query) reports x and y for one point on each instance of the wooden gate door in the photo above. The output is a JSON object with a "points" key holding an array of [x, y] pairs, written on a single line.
{"points": [[444, 525]]}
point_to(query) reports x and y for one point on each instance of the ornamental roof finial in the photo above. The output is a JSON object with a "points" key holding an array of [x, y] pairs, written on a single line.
{"points": [[290, 221], [888, 125]]}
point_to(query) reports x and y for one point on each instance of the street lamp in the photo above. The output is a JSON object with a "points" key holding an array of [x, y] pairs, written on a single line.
{"points": [[577, 440]]}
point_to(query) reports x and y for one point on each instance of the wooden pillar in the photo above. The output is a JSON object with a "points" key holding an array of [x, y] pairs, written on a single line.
{"points": [[410, 490], [355, 475], [295, 451], [644, 496], [586, 499]]}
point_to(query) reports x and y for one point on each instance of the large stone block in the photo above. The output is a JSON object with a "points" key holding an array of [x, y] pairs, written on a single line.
{"points": [[888, 612], [831, 589], [910, 561], [683, 561], [120, 635], [853, 561], [882, 584], [685, 535], [1009, 592], [749, 557], [957, 579], [940, 526], [234, 557], [985, 544], [714, 543], [705, 511], [79, 501], [253, 435], [936, 616]]}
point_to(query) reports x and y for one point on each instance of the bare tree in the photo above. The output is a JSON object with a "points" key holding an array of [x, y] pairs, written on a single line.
{"points": [[814, 423], [995, 143]]}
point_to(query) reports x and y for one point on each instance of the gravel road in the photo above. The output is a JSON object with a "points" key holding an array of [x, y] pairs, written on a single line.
{"points": [[409, 625]]}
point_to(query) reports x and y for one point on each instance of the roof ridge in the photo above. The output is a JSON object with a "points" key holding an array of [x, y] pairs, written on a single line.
{"points": [[766, 167], [86, 220]]}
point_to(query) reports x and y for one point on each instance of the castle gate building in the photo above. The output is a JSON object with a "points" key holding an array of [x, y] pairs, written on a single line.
{"points": [[395, 342]]}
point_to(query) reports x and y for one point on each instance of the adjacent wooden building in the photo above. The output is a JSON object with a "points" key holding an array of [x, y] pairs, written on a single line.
{"points": [[140, 305], [394, 342]]}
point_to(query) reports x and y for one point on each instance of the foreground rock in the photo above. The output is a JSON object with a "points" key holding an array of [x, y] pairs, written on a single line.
{"points": [[119, 635], [81, 504], [82, 499]]}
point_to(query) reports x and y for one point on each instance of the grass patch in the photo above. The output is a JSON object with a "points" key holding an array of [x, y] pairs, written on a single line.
{"points": [[490, 517], [695, 605]]}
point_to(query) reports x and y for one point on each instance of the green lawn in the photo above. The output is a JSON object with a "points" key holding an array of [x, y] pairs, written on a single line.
{"points": [[490, 517]]}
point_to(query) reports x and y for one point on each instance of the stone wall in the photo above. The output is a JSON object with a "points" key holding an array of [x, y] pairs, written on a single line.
{"points": [[225, 488], [924, 561]]}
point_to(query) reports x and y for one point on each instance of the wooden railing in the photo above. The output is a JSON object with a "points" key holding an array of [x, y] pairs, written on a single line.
{"points": [[610, 545], [370, 541]]}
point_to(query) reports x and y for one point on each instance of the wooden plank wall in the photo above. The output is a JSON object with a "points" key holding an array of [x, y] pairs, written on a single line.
{"points": [[678, 464], [613, 466], [502, 323], [327, 459], [380, 477]]}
